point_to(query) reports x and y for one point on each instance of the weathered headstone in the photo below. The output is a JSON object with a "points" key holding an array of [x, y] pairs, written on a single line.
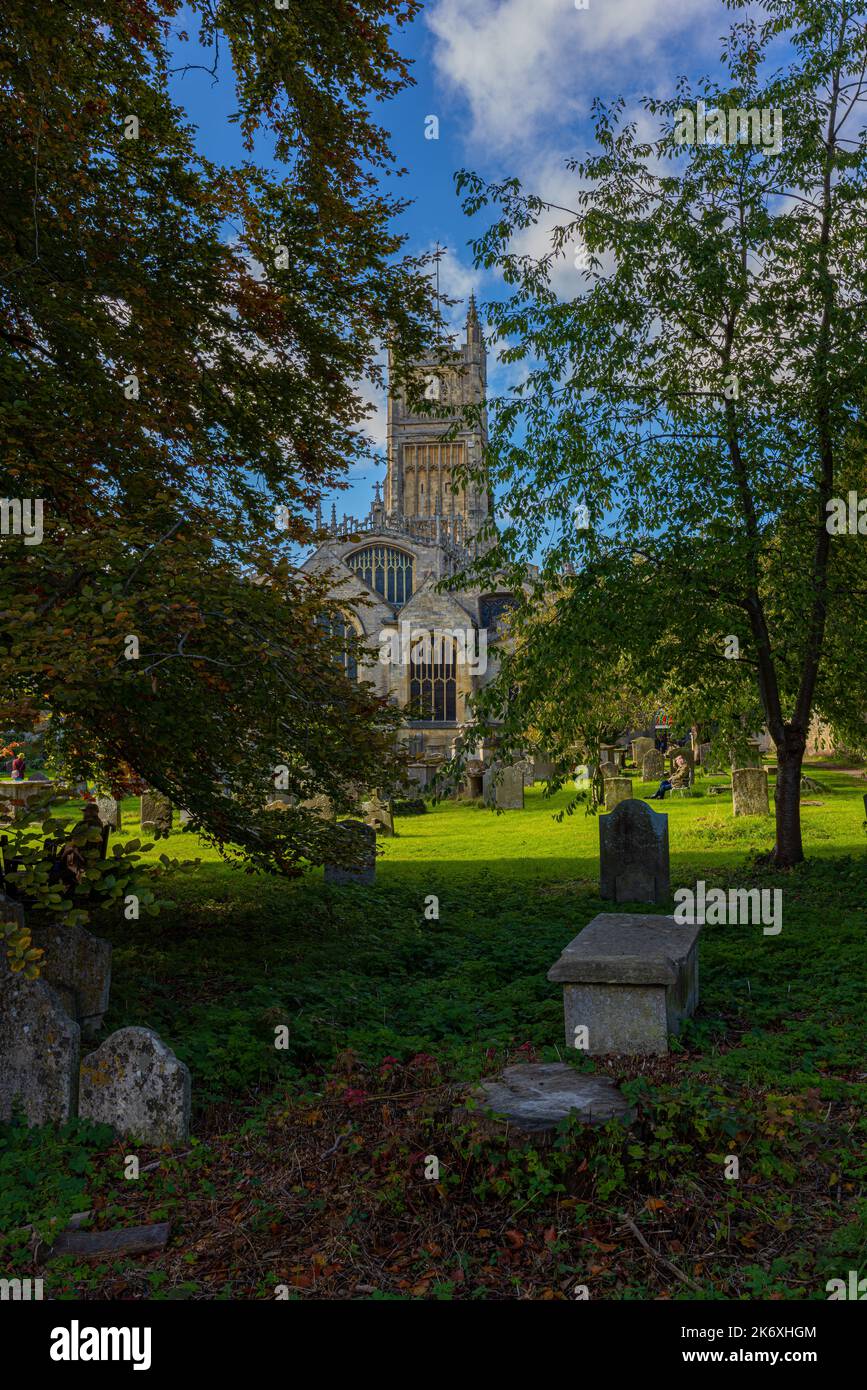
{"points": [[629, 980], [641, 746], [749, 791], [361, 842], [134, 1082], [609, 769], [379, 814], [544, 769], [78, 966], [617, 789], [633, 854], [652, 766], [322, 805], [503, 787], [155, 812], [109, 811], [528, 770], [39, 1051]]}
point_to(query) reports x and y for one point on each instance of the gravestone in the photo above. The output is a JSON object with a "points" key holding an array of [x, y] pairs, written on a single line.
{"points": [[633, 854], [109, 811], [652, 766], [503, 787], [749, 791], [39, 1051], [322, 806], [617, 789], [629, 980], [640, 747], [535, 1096], [78, 966], [609, 769], [185, 817], [544, 769], [379, 814], [155, 812], [361, 840], [528, 770], [135, 1083]]}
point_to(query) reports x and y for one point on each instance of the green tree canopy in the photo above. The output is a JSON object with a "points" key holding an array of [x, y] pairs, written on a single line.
{"points": [[182, 352], [701, 395]]}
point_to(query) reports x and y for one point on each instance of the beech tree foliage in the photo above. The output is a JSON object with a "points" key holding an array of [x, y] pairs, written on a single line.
{"points": [[182, 352]]}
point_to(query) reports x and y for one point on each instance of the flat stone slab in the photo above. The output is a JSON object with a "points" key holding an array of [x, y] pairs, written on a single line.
{"points": [[536, 1096], [629, 980]]}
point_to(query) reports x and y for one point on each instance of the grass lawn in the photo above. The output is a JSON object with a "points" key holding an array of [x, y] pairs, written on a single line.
{"points": [[307, 1169]]}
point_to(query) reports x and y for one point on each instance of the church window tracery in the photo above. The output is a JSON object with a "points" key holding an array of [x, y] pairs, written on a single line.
{"points": [[386, 569]]}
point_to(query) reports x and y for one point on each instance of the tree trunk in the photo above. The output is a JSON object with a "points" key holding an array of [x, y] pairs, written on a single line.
{"points": [[787, 799]]}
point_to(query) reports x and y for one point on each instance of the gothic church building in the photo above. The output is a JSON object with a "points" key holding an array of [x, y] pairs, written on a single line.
{"points": [[385, 568]]}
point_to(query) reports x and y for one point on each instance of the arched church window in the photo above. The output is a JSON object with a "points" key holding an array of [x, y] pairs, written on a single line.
{"points": [[492, 611], [433, 686], [335, 625], [385, 569]]}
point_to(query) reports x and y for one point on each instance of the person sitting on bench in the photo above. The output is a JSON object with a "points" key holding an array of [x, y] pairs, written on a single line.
{"points": [[679, 777]]}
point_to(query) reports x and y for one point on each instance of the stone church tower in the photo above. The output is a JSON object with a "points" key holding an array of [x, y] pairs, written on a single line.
{"points": [[423, 466], [389, 571]]}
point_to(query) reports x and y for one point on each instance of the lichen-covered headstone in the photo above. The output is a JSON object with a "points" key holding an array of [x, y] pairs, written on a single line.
{"points": [[750, 791], [39, 1051], [633, 854], [78, 965], [379, 814], [156, 812], [361, 856], [503, 787], [608, 769], [108, 810], [652, 766], [617, 789], [135, 1083]]}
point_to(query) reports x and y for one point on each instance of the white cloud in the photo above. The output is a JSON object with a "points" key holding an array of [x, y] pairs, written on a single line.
{"points": [[523, 66]]}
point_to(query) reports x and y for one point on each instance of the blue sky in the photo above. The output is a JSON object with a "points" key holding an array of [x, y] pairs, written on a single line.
{"points": [[511, 83]]}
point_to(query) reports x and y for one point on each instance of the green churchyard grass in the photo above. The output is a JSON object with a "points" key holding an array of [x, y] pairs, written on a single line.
{"points": [[374, 991]]}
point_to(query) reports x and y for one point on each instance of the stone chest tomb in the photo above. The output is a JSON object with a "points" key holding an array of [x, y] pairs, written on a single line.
{"points": [[629, 979]]}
